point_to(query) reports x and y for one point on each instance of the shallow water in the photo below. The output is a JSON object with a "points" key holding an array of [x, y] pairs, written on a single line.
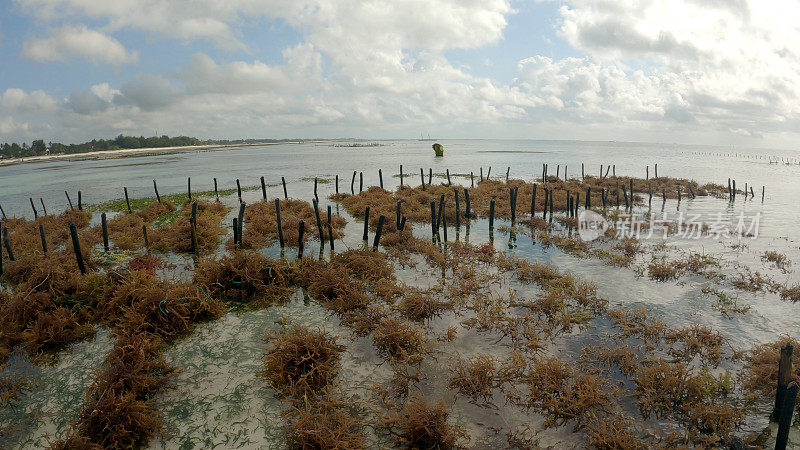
{"points": [[220, 400]]}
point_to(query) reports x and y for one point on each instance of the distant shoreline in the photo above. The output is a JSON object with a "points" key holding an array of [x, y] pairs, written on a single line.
{"points": [[133, 151]]}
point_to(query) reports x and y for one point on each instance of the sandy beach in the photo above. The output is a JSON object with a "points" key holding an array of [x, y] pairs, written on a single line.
{"points": [[132, 151]]}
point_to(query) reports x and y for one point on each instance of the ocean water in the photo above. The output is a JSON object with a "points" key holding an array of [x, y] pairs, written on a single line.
{"points": [[221, 401]]}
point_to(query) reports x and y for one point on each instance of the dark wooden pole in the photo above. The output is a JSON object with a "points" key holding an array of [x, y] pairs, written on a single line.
{"points": [[380, 177], [533, 201], [458, 209], [316, 197], [398, 214], [301, 228], [144, 235], [378, 231], [360, 182], [216, 191], [242, 205], [239, 190], [444, 225], [104, 226], [439, 214], [189, 187], [80, 201], [467, 211], [337, 184], [235, 231], [7, 244], [472, 179], [127, 200], [3, 213], [353, 183], [448, 178], [784, 377], [285, 192], [366, 223], [319, 222], [44, 240], [76, 246], [44, 208], [422, 177], [278, 219], [155, 188], [263, 189], [433, 219], [491, 214], [430, 175], [33, 207], [401, 175], [330, 234], [785, 423]]}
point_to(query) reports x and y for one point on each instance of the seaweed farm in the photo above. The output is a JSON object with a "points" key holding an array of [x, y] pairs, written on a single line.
{"points": [[404, 303]]}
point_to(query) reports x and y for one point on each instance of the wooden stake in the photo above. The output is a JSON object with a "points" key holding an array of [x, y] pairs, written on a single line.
{"points": [[397, 211], [278, 218], [263, 189], [127, 200], [189, 187], [401, 175], [377, 241], [76, 246], [360, 182], [239, 190], [467, 212], [784, 377], [448, 178], [422, 177], [7, 244], [146, 241], [337, 184], [193, 228], [44, 208], [491, 214], [330, 235], [80, 201], [433, 219], [241, 219], [155, 188], [35, 213], [286, 193], [785, 422], [366, 224], [319, 222], [301, 228], [316, 197], [44, 240], [380, 177], [458, 208], [104, 226], [533, 201], [216, 192]]}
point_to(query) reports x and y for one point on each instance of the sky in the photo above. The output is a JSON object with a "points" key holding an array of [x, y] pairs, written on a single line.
{"points": [[720, 72]]}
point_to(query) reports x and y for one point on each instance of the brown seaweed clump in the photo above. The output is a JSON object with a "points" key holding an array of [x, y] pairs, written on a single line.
{"points": [[177, 237], [474, 377], [760, 374], [142, 303], [300, 361], [563, 393], [118, 411], [261, 224], [615, 432], [244, 274], [25, 237], [399, 340], [423, 425], [331, 284], [325, 423], [696, 340], [420, 305]]}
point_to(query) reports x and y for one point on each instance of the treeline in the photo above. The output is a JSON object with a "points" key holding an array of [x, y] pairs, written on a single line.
{"points": [[38, 147]]}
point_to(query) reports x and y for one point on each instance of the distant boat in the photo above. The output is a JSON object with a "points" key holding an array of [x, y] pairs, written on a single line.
{"points": [[438, 149], [425, 139]]}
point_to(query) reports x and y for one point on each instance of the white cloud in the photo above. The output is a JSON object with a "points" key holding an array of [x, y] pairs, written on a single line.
{"points": [[714, 70], [78, 41]]}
